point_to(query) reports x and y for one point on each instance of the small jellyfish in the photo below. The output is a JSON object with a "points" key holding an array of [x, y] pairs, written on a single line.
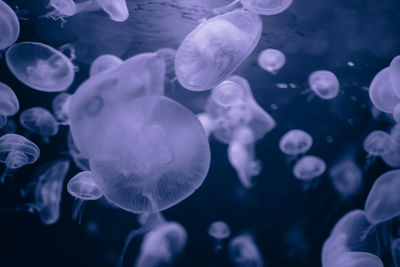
{"points": [[83, 188], [244, 252], [16, 151], [266, 7], [219, 230], [377, 143], [60, 107], [308, 168], [40, 66], [215, 48], [9, 26], [39, 121], [104, 63], [295, 142], [271, 60], [324, 84], [116, 9], [346, 178], [381, 92], [65, 8], [394, 75], [9, 104], [80, 160]]}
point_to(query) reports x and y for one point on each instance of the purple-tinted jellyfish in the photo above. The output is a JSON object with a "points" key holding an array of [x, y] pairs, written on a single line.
{"points": [[295, 142], [395, 249], [104, 63], [60, 106], [266, 7], [271, 60], [355, 259], [381, 92], [9, 26], [215, 48], [324, 84], [243, 252], [81, 161], [116, 9], [40, 66], [383, 201], [62, 8], [162, 245], [9, 104], [39, 121], [377, 143], [309, 167], [346, 178], [394, 75], [219, 230]]}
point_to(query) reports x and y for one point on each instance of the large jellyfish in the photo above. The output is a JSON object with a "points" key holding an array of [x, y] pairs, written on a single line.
{"points": [[60, 106], [244, 252], [40, 66], [309, 167], [377, 143], [295, 142], [9, 26], [104, 63], [39, 121], [381, 92], [394, 75], [324, 84], [219, 230], [213, 50], [9, 104], [271, 60], [346, 178]]}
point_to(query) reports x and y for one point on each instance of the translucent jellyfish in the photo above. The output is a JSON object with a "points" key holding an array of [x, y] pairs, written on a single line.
{"points": [[394, 74], [9, 26], [271, 60], [65, 8], [219, 230], [116, 9], [60, 106], [40, 66], [80, 160], [383, 201], [207, 122], [356, 259], [243, 252], [83, 188], [295, 142], [395, 249], [39, 121], [346, 178], [104, 63], [309, 167], [215, 48], [266, 7], [392, 157], [377, 143], [324, 84], [381, 92], [9, 104], [16, 151]]}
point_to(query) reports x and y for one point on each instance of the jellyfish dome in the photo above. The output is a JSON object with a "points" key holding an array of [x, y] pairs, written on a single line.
{"points": [[243, 251], [213, 50], [377, 143], [39, 121], [381, 92], [17, 151], [104, 63], [324, 84], [9, 26], [346, 178], [266, 7], [40, 66], [82, 186], [271, 60], [295, 142], [9, 104], [219, 230], [394, 75], [309, 167]]}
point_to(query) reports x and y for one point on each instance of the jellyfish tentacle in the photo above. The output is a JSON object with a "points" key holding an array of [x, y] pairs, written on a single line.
{"points": [[77, 210]]}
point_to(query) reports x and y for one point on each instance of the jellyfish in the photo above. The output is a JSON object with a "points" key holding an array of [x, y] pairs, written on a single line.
{"points": [[215, 48], [9, 26], [40, 66], [324, 84], [207, 122], [243, 251], [60, 107], [81, 161], [104, 63], [396, 113], [39, 121], [271, 60], [377, 143], [116, 9], [356, 259], [392, 157], [62, 8], [381, 92], [261, 7], [9, 104], [219, 230], [15, 152], [295, 142], [83, 188], [394, 73], [346, 178], [308, 168], [395, 249]]}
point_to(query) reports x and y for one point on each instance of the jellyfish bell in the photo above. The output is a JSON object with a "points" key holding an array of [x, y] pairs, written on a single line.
{"points": [[295, 142], [9, 26], [103, 63], [381, 92], [39, 121], [9, 104], [266, 7], [243, 251], [394, 75], [392, 157], [377, 143], [215, 48], [308, 168], [60, 107], [346, 178], [228, 93], [271, 60], [219, 230], [40, 66], [116, 9], [324, 84]]}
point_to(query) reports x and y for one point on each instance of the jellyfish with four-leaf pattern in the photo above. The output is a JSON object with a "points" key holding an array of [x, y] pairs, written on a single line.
{"points": [[9, 26], [294, 143], [104, 63], [9, 104], [39, 121], [324, 84], [60, 107], [219, 231], [271, 60], [382, 93], [308, 168], [261, 7], [377, 143], [243, 251]]}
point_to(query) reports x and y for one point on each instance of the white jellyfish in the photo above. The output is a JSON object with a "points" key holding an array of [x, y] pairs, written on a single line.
{"points": [[243, 251], [346, 178], [271, 60], [261, 7], [381, 92], [9, 104], [308, 168], [324, 84], [40, 66], [39, 121], [9, 26], [219, 230], [60, 106], [104, 63], [295, 142]]}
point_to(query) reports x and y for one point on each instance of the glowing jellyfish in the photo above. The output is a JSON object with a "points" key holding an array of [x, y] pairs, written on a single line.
{"points": [[394, 75], [271, 60], [213, 50], [219, 230], [395, 249], [377, 143], [80, 160], [60, 106], [383, 201], [9, 26], [83, 188], [116, 9], [381, 92], [104, 63], [346, 178], [243, 252], [16, 151], [295, 142], [324, 84], [9, 104], [162, 245], [39, 121], [309, 167], [40, 66]]}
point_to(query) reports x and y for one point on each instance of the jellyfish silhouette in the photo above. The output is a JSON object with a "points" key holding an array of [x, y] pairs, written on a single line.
{"points": [[271, 60], [39, 121], [104, 63], [261, 7], [324, 84], [60, 107], [215, 48], [381, 92], [40, 66], [394, 75], [9, 104], [346, 178], [308, 168], [377, 143], [219, 230], [9, 26], [243, 251], [295, 142]]}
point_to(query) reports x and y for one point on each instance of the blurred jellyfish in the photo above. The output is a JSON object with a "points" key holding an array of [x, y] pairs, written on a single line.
{"points": [[60, 107], [377, 143], [261, 7], [295, 142], [40, 66], [394, 75], [324, 84], [83, 188], [9, 104], [346, 178], [104, 63], [271, 60], [80, 160], [116, 9], [395, 249], [244, 252], [381, 92], [9, 26], [15, 152], [39, 121], [219, 230], [308, 168], [213, 50]]}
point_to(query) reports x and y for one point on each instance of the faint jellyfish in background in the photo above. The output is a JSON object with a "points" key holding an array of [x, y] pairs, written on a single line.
{"points": [[244, 252], [295, 142], [324, 84], [309, 167], [40, 66], [116, 9], [80, 160], [9, 104], [271, 60], [104, 63], [394, 75], [395, 249], [39, 121], [346, 178], [15, 152], [377, 143], [9, 26], [381, 92], [219, 230], [215, 48], [83, 188], [60, 106]]}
